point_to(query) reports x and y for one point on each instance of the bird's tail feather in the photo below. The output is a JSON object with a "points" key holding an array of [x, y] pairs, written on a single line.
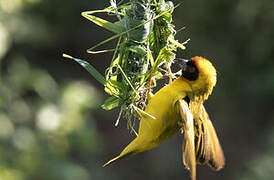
{"points": [[130, 149], [112, 160]]}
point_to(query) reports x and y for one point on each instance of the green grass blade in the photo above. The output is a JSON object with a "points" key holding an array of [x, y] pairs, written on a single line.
{"points": [[101, 51], [123, 32], [89, 68], [177, 44], [103, 42], [113, 27], [124, 74], [111, 102]]}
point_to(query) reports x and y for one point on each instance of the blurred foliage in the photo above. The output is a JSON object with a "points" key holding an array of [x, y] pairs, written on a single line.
{"points": [[46, 127], [50, 125], [43, 124]]}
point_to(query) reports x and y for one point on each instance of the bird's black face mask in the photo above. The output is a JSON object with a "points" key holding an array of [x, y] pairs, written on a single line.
{"points": [[188, 69]]}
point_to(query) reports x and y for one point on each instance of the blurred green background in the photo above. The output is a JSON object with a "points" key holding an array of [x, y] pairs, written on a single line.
{"points": [[51, 124]]}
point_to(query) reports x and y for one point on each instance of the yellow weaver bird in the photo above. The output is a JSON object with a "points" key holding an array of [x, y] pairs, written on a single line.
{"points": [[179, 106]]}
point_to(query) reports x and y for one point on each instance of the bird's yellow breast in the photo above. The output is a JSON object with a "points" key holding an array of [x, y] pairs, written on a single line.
{"points": [[162, 107]]}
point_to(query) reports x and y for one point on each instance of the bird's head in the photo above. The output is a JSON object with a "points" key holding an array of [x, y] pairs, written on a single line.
{"points": [[200, 74]]}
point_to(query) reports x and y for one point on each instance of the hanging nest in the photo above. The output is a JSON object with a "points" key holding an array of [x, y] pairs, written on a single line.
{"points": [[145, 49]]}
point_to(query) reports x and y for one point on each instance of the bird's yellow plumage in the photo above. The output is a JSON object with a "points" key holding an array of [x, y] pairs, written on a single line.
{"points": [[179, 105], [154, 131]]}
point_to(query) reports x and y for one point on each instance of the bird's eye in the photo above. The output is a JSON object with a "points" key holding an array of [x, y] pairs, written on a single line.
{"points": [[192, 69], [190, 72]]}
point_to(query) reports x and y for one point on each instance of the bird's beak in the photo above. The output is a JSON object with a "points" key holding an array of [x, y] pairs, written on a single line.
{"points": [[182, 63], [180, 60]]}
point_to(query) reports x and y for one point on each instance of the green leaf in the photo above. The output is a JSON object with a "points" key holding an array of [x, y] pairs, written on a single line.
{"points": [[89, 68], [177, 44], [86, 14], [116, 84], [138, 50], [111, 102], [165, 55], [116, 27]]}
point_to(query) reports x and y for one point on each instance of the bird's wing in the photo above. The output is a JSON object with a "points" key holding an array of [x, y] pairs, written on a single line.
{"points": [[189, 158], [208, 148]]}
